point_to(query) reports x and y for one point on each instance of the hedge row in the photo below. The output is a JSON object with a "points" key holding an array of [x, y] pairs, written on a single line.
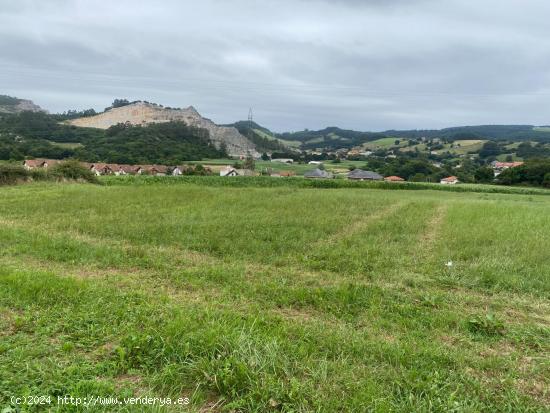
{"points": [[70, 170], [298, 182]]}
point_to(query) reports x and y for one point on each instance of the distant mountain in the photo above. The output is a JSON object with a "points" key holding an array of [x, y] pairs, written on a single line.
{"points": [[143, 113], [9, 104], [333, 138]]}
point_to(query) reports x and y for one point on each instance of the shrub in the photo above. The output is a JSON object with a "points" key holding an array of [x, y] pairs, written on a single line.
{"points": [[72, 170], [10, 174], [487, 325]]}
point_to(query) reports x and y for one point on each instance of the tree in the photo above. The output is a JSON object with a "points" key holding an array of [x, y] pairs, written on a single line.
{"points": [[117, 103], [249, 163], [484, 174], [265, 157], [490, 149]]}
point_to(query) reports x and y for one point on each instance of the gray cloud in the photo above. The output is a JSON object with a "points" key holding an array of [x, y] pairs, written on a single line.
{"points": [[368, 65]]}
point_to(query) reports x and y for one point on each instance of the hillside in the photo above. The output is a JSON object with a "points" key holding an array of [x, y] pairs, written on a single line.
{"points": [[144, 113], [39, 135], [334, 138], [9, 104], [263, 138]]}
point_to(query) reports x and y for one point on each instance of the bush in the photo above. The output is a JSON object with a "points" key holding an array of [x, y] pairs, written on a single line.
{"points": [[72, 170], [11, 174]]}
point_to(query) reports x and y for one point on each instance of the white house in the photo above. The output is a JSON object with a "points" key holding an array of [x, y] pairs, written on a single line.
{"points": [[228, 171], [283, 160], [315, 163]]}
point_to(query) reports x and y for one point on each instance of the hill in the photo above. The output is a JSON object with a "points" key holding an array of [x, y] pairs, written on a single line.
{"points": [[263, 138], [36, 134], [334, 138], [9, 104], [144, 113]]}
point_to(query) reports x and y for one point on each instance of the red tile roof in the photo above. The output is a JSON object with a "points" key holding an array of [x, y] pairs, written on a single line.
{"points": [[393, 178]]}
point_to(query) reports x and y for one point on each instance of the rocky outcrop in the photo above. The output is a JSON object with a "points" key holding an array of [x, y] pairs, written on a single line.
{"points": [[142, 113], [15, 105]]}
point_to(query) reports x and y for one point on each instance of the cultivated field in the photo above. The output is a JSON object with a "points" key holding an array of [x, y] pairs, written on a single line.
{"points": [[275, 299]]}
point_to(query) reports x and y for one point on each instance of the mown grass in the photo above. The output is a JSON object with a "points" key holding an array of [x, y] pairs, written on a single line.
{"points": [[275, 299]]}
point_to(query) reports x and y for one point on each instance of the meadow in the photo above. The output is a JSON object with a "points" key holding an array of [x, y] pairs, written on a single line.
{"points": [[248, 298]]}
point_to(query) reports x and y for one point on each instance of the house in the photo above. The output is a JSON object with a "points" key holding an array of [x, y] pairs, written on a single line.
{"points": [[499, 167], [315, 163], [178, 170], [128, 169], [228, 171], [283, 160], [33, 163], [157, 170], [362, 175], [100, 169], [393, 178], [318, 174], [450, 180], [39, 163]]}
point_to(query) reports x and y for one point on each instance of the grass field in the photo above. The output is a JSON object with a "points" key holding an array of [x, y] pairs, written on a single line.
{"points": [[289, 299], [297, 168]]}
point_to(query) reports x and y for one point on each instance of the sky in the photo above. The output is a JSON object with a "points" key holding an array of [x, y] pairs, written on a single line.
{"points": [[357, 64]]}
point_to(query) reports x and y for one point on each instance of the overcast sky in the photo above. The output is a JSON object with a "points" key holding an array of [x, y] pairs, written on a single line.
{"points": [[361, 64]]}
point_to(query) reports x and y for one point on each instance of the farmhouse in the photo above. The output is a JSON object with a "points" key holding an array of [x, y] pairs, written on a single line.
{"points": [[228, 171], [157, 170], [499, 167], [33, 163], [362, 175], [101, 169], [393, 178], [39, 163], [450, 180], [318, 174]]}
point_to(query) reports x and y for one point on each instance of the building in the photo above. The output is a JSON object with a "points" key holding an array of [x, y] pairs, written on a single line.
{"points": [[393, 178], [318, 174], [450, 180], [156, 170], [228, 171], [100, 169], [361, 175], [315, 163], [283, 160], [39, 163], [33, 163], [499, 167]]}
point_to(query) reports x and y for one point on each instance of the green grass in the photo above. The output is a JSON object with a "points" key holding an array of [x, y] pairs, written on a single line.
{"points": [[67, 145], [383, 143], [247, 298], [265, 135]]}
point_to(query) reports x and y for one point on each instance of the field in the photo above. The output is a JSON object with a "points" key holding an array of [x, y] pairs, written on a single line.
{"points": [[255, 299], [297, 168]]}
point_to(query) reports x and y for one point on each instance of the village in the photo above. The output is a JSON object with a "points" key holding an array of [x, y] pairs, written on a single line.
{"points": [[319, 172]]}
